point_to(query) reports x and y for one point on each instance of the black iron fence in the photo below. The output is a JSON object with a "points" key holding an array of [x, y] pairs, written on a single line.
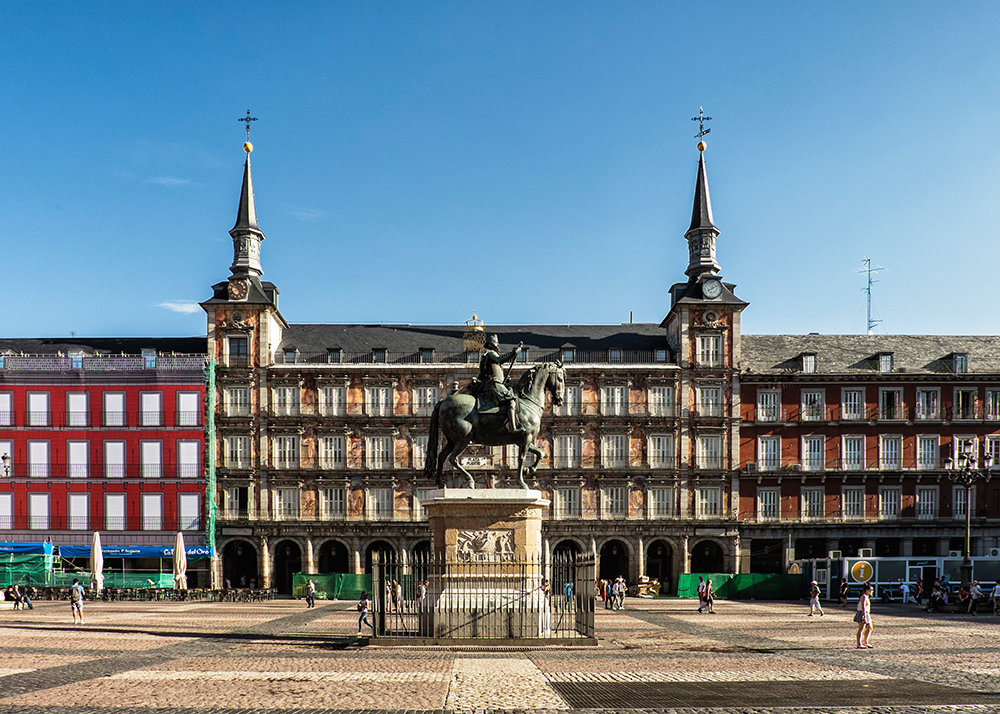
{"points": [[488, 599]]}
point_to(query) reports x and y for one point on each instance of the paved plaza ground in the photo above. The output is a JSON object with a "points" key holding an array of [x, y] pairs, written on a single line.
{"points": [[205, 658]]}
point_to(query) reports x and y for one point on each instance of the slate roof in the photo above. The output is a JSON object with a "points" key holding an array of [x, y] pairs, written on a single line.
{"points": [[448, 339], [857, 354]]}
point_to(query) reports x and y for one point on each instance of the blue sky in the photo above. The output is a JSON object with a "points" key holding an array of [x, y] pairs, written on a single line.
{"points": [[531, 161]]}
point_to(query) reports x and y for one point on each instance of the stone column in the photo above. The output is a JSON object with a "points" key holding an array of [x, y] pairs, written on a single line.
{"points": [[642, 558], [356, 547], [310, 558], [265, 563]]}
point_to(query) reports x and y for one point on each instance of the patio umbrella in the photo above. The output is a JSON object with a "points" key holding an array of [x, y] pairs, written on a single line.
{"points": [[97, 562], [180, 563]]}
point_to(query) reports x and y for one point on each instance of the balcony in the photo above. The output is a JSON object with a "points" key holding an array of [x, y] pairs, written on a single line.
{"points": [[40, 471]]}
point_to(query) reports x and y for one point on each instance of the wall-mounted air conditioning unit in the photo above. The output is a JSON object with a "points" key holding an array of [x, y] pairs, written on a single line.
{"points": [[750, 467], [795, 467], [995, 552], [835, 555], [954, 554], [865, 552]]}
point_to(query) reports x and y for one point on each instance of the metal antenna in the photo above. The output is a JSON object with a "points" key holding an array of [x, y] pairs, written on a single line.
{"points": [[868, 269], [247, 119], [701, 119]]}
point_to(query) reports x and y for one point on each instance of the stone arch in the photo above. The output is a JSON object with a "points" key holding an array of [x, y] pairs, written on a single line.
{"points": [[382, 546], [708, 555], [660, 564], [334, 557], [286, 560], [613, 559], [239, 562]]}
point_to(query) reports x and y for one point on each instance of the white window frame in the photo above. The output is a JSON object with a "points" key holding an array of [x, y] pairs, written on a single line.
{"points": [[661, 401], [852, 499], [151, 505], [418, 447], [39, 510], [379, 401], [813, 406], [615, 451], [709, 452], [6, 409], [380, 452], [661, 502], [709, 350], [928, 452], [662, 454], [927, 503], [150, 408], [287, 451], [614, 400], [237, 401], [6, 511], [188, 408], [851, 445], [151, 458], [898, 411], [768, 405], [768, 503], [286, 503], [992, 405], [710, 401], [77, 458], [614, 501], [813, 501], [813, 453], [424, 400], [852, 404], [959, 502], [115, 458], [77, 511], [568, 451], [77, 409], [333, 503], [286, 400], [708, 502], [568, 502], [333, 452], [115, 511], [420, 495], [39, 458], [380, 503], [968, 411], [114, 405], [890, 452], [238, 451], [333, 400], [572, 401], [889, 502], [768, 453], [928, 404], [188, 511], [188, 458], [38, 409]]}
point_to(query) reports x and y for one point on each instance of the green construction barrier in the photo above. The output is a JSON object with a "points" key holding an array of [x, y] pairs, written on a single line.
{"points": [[332, 586], [26, 569], [745, 586], [117, 580]]}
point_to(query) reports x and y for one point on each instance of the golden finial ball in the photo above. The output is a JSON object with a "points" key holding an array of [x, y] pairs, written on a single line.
{"points": [[248, 147], [702, 146]]}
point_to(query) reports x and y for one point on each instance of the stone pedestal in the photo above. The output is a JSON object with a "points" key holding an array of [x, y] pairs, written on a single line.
{"points": [[489, 547]]}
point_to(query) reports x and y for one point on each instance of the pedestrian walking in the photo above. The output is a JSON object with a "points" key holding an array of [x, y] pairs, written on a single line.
{"points": [[76, 601], [363, 605], [709, 597], [814, 593], [995, 597], [310, 594], [863, 617], [701, 593], [843, 592], [975, 592]]}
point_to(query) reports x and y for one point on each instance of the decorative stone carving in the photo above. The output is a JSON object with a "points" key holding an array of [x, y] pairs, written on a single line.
{"points": [[485, 545]]}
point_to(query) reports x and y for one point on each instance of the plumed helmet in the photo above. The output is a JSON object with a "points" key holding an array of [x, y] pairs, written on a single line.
{"points": [[493, 342]]}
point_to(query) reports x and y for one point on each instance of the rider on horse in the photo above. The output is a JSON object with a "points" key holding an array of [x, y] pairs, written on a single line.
{"points": [[492, 380]]}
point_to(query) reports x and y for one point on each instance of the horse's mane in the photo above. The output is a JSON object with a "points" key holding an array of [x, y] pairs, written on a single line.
{"points": [[524, 383]]}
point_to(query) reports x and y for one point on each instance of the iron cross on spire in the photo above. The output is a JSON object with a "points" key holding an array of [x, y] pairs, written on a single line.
{"points": [[247, 119], [701, 119]]}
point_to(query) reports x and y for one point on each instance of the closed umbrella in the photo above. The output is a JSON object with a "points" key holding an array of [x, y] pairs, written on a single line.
{"points": [[96, 563], [180, 563]]}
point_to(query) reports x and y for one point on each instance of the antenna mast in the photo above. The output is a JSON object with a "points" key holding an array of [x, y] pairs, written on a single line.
{"points": [[869, 270]]}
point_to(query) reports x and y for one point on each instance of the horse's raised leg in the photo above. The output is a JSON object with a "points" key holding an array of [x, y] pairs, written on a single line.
{"points": [[455, 453], [448, 447], [538, 457], [522, 453]]}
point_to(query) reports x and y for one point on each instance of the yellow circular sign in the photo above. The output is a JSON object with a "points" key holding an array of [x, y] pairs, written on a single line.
{"points": [[862, 571]]}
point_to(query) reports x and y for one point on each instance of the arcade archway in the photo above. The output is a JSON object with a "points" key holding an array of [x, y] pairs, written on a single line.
{"points": [[239, 564], [660, 565], [287, 560]]}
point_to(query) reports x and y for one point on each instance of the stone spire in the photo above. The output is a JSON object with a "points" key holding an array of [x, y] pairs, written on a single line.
{"points": [[702, 233], [246, 235]]}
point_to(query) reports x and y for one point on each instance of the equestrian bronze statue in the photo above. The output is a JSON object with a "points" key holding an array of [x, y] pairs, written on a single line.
{"points": [[492, 414]]}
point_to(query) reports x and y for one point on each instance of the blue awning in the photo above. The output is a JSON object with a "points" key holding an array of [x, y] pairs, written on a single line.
{"points": [[131, 551], [35, 548]]}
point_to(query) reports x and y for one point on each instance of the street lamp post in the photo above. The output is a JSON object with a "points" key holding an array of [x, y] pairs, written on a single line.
{"points": [[963, 471]]}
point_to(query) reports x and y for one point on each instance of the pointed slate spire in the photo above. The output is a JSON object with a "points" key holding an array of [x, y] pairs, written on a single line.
{"points": [[702, 233], [246, 235]]}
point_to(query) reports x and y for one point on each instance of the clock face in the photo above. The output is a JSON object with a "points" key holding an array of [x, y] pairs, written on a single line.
{"points": [[711, 289], [237, 289]]}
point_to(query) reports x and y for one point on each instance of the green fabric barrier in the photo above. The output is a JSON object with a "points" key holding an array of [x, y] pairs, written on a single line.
{"points": [[745, 586], [25, 569], [332, 586], [117, 580]]}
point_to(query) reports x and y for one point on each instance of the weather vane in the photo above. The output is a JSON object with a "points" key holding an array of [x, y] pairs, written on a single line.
{"points": [[701, 119], [247, 119]]}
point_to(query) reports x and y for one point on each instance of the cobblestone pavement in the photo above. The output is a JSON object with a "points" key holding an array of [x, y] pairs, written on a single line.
{"points": [[655, 656]]}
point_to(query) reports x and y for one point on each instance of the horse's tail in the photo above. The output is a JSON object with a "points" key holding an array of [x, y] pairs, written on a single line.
{"points": [[431, 457]]}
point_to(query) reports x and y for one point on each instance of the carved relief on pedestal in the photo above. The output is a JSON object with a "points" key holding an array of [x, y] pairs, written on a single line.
{"points": [[485, 545]]}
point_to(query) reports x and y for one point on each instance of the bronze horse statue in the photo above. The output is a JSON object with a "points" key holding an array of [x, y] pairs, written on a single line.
{"points": [[459, 418]]}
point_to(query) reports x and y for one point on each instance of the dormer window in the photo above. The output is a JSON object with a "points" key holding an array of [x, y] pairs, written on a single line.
{"points": [[522, 356], [289, 355], [660, 356], [334, 355], [809, 363], [885, 362], [568, 354], [615, 356], [960, 361], [379, 354], [148, 358], [472, 357], [426, 355]]}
